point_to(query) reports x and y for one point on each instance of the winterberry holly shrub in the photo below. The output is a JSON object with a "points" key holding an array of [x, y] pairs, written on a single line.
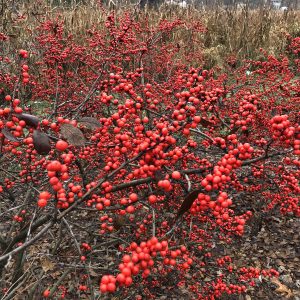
{"points": [[125, 164]]}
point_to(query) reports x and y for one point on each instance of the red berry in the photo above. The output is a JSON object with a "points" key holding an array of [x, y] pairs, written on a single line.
{"points": [[45, 195], [152, 199], [105, 279], [54, 166], [128, 281], [133, 197], [126, 258], [23, 53], [42, 202], [61, 145], [176, 175], [121, 278], [130, 209], [111, 287], [126, 272], [103, 288], [46, 293]]}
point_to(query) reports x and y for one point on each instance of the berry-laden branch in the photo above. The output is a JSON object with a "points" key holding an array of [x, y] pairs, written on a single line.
{"points": [[89, 192]]}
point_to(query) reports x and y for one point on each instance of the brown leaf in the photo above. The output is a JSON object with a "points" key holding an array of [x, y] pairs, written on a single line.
{"points": [[72, 134], [46, 264], [119, 221], [187, 203], [30, 120], [282, 289], [89, 122], [9, 135], [41, 142]]}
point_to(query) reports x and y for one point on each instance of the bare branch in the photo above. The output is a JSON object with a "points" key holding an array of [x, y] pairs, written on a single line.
{"points": [[28, 243]]}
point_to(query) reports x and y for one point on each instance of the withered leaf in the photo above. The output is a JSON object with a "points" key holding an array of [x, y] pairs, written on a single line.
{"points": [[283, 289], [72, 134], [46, 264], [41, 142], [9, 135], [89, 122], [187, 203], [30, 120], [119, 221]]}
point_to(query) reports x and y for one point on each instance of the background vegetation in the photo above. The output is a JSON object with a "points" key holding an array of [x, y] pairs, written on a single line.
{"points": [[231, 32]]}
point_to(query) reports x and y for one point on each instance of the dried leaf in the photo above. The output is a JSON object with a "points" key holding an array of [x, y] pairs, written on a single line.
{"points": [[72, 134], [90, 122], [282, 289], [9, 135], [30, 120], [46, 264], [41, 142], [119, 221], [187, 203]]}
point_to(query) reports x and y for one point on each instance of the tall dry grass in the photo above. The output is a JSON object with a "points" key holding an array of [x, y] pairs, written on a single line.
{"points": [[230, 31]]}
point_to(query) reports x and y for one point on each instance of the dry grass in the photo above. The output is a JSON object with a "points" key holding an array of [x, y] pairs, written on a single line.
{"points": [[230, 31]]}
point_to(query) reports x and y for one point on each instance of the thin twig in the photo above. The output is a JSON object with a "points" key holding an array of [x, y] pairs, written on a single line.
{"points": [[73, 236], [202, 134], [188, 181], [28, 243]]}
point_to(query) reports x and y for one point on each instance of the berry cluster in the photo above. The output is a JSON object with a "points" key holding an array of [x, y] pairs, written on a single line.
{"points": [[43, 198], [25, 74], [58, 172], [221, 171], [281, 128], [247, 108], [296, 147], [141, 259], [201, 204]]}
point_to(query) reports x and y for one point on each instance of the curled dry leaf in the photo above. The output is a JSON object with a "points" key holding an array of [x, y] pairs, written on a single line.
{"points": [[282, 289], [89, 122], [30, 120], [72, 134], [5, 131], [41, 142]]}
